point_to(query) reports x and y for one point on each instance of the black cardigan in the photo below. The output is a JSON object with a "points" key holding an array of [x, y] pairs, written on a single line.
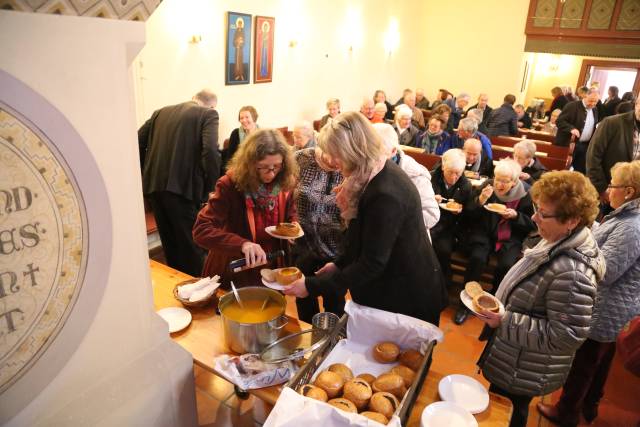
{"points": [[388, 262]]}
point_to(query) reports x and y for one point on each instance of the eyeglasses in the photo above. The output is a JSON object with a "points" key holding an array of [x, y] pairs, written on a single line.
{"points": [[617, 186], [543, 215], [267, 169]]}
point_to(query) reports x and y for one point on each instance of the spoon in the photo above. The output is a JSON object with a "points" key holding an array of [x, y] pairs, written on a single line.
{"points": [[264, 304], [235, 293]]}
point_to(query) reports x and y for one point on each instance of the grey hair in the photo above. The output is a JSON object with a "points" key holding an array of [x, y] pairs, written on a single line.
{"points": [[475, 114], [388, 135], [305, 127], [380, 106], [529, 148], [468, 125], [207, 97], [366, 101], [454, 159], [464, 95], [508, 167], [403, 110], [332, 101], [473, 141]]}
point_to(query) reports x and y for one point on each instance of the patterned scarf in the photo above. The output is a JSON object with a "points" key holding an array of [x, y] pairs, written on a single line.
{"points": [[265, 198]]}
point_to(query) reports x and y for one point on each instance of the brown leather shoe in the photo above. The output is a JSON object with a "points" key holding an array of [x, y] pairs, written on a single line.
{"points": [[551, 413]]}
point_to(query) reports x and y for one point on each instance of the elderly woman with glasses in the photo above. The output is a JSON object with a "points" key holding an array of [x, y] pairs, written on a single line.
{"points": [[255, 193], [498, 232], [407, 132], [548, 296], [387, 261], [617, 301]]}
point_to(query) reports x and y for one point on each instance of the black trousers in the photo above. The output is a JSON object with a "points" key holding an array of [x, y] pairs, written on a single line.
{"points": [[479, 255], [580, 157], [175, 217], [443, 244], [307, 307], [520, 406]]}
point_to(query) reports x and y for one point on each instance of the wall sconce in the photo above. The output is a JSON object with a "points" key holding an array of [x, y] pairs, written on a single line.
{"points": [[293, 43], [391, 37], [195, 39]]}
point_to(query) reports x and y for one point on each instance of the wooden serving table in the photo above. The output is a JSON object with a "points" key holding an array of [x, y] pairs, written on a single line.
{"points": [[204, 339]]}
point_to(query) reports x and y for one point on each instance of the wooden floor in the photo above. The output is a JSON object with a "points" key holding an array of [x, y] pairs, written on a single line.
{"points": [[218, 406]]}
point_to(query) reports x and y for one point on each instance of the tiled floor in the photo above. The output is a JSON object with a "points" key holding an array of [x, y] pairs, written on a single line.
{"points": [[218, 406]]}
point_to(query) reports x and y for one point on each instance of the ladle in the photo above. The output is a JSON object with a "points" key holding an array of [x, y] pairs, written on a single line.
{"points": [[235, 293]]}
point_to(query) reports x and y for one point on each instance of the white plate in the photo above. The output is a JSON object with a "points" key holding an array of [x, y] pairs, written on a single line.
{"points": [[493, 210], [477, 182], [178, 318], [444, 206], [446, 414], [464, 391], [271, 231], [273, 285], [468, 302]]}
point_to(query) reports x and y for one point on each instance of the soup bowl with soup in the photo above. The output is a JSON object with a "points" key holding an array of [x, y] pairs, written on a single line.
{"points": [[257, 323]]}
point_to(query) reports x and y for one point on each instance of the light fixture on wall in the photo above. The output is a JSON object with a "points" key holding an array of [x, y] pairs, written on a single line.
{"points": [[195, 39], [293, 43], [391, 37]]}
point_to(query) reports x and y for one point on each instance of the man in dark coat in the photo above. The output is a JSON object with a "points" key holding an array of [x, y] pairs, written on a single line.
{"points": [[612, 102], [485, 111], [578, 122], [559, 100], [503, 120], [180, 165], [616, 140]]}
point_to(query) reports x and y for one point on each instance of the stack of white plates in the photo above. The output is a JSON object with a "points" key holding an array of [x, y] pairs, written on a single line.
{"points": [[447, 414], [462, 396]]}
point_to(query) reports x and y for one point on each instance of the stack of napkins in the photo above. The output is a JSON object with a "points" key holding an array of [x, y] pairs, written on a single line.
{"points": [[199, 290]]}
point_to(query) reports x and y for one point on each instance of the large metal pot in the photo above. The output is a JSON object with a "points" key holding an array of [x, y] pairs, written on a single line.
{"points": [[252, 337]]}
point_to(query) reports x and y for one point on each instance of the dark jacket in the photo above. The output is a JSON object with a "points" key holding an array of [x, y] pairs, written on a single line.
{"points": [[486, 165], [610, 106], [573, 116], [461, 192], [409, 136], [179, 151], [485, 116], [612, 142], [388, 262], [234, 143], [503, 121], [558, 103], [535, 171], [526, 121]]}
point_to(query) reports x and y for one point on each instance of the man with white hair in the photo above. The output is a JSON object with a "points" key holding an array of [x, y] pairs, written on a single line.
{"points": [[404, 127], [303, 135], [467, 128], [367, 108], [477, 160], [421, 101], [417, 117], [418, 174], [457, 111]]}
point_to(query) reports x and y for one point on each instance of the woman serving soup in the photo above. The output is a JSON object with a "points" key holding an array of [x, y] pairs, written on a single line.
{"points": [[255, 193]]}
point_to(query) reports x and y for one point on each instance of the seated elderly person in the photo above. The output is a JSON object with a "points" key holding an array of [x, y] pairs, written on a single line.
{"points": [[450, 185], [478, 163], [379, 113], [333, 108], [551, 125], [524, 120], [381, 96], [468, 128], [457, 112], [499, 224], [367, 108], [524, 152], [421, 101], [476, 113], [417, 117], [434, 135], [304, 136], [418, 174], [407, 132]]}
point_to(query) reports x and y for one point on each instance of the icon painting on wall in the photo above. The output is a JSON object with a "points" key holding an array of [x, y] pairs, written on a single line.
{"points": [[263, 50], [238, 60]]}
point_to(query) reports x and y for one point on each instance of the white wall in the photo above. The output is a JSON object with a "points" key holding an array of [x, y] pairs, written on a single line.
{"points": [[126, 370], [170, 70]]}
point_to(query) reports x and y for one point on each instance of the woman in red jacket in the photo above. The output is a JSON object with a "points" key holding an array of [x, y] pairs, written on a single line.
{"points": [[255, 193]]}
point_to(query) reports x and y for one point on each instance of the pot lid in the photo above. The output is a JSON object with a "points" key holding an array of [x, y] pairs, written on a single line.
{"points": [[294, 346]]}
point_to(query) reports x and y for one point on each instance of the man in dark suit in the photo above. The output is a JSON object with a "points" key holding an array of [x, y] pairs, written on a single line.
{"points": [[180, 165], [504, 120], [485, 111], [578, 122], [477, 159], [612, 101]]}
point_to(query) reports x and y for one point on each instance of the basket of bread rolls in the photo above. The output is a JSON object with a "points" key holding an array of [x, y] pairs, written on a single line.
{"points": [[371, 378]]}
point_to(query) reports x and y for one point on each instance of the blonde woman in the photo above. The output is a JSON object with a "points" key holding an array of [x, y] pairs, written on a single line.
{"points": [[256, 192], [387, 262], [333, 109]]}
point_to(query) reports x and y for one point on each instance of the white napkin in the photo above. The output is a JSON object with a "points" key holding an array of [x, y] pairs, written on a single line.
{"points": [[209, 284]]}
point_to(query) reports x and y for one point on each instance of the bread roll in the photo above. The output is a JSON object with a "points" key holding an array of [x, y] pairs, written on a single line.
{"points": [[385, 352], [314, 392], [412, 359], [367, 377], [375, 416], [384, 403], [330, 382], [486, 302], [287, 229], [407, 374], [473, 289], [344, 404], [359, 392], [288, 275], [343, 370], [391, 383]]}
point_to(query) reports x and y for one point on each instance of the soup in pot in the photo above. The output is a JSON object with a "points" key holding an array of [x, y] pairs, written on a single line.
{"points": [[251, 312]]}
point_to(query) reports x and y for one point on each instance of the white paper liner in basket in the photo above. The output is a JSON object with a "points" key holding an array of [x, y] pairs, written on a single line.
{"points": [[366, 326]]}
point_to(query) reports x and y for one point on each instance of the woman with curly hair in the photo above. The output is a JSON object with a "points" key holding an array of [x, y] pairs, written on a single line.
{"points": [[548, 296], [387, 262], [255, 193]]}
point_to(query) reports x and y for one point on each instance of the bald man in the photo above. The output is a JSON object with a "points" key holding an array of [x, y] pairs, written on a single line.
{"points": [[477, 160]]}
